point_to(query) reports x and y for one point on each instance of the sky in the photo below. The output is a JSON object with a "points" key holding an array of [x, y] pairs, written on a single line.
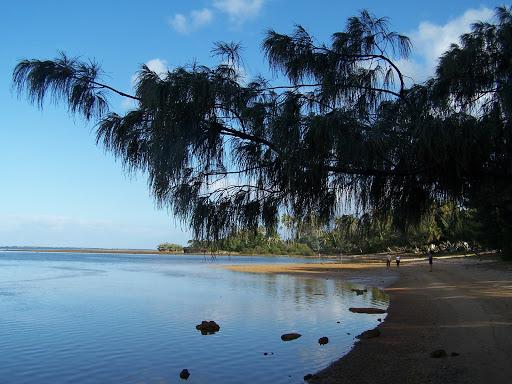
{"points": [[58, 188]]}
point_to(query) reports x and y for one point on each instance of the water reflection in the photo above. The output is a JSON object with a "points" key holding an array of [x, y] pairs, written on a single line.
{"points": [[71, 318]]}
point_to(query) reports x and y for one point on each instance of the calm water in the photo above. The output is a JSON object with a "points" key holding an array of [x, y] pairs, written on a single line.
{"points": [[84, 318]]}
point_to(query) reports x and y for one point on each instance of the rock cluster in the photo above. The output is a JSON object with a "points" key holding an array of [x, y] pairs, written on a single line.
{"points": [[208, 327]]}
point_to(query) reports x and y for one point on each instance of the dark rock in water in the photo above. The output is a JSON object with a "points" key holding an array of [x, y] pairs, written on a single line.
{"points": [[379, 319], [290, 336], [323, 340], [184, 374], [454, 354], [438, 353], [309, 376], [208, 327], [367, 310], [371, 333]]}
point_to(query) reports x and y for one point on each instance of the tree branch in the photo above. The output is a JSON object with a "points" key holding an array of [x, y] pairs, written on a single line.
{"points": [[245, 136], [371, 56], [296, 86], [105, 86]]}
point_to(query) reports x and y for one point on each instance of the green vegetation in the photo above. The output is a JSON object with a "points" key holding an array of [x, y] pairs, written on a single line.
{"points": [[342, 128], [254, 243], [170, 247], [447, 227]]}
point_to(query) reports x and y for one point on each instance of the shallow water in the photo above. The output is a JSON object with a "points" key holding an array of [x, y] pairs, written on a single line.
{"points": [[96, 318]]}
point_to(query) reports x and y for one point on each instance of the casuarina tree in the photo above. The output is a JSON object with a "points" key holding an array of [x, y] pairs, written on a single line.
{"points": [[340, 127]]}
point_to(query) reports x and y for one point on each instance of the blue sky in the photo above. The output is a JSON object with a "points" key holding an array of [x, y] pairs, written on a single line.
{"points": [[58, 188]]}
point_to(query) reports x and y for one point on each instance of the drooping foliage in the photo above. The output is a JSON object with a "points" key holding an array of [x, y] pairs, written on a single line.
{"points": [[341, 130], [446, 226], [474, 83], [249, 242], [444, 229]]}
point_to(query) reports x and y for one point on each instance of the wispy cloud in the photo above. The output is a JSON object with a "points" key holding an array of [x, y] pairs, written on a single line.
{"points": [[239, 10], [201, 17], [431, 40], [180, 23], [53, 230], [185, 24], [49, 222]]}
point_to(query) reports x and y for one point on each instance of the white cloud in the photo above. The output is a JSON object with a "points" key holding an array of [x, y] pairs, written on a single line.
{"points": [[158, 66], [239, 10], [431, 40], [179, 23], [196, 19], [201, 17]]}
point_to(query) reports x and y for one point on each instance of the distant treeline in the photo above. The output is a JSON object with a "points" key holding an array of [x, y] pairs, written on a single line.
{"points": [[447, 228], [170, 247]]}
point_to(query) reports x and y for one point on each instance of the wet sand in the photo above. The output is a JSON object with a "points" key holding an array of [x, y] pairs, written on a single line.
{"points": [[325, 269], [463, 306], [361, 274]]}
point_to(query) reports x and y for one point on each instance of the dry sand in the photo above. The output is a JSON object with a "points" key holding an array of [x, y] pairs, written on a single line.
{"points": [[463, 306]]}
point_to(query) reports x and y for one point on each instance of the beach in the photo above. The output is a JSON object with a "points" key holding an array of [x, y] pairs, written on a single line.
{"points": [[464, 307]]}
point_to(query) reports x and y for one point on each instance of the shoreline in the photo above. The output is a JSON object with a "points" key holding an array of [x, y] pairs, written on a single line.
{"points": [[156, 252], [463, 307], [377, 258]]}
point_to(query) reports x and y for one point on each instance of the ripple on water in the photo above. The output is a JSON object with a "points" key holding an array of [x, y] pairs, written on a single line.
{"points": [[132, 320]]}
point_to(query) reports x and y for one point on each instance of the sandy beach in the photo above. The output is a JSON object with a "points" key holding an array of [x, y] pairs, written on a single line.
{"points": [[463, 307]]}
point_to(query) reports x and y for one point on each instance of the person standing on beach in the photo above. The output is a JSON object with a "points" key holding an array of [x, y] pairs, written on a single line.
{"points": [[388, 261], [398, 261], [430, 260]]}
